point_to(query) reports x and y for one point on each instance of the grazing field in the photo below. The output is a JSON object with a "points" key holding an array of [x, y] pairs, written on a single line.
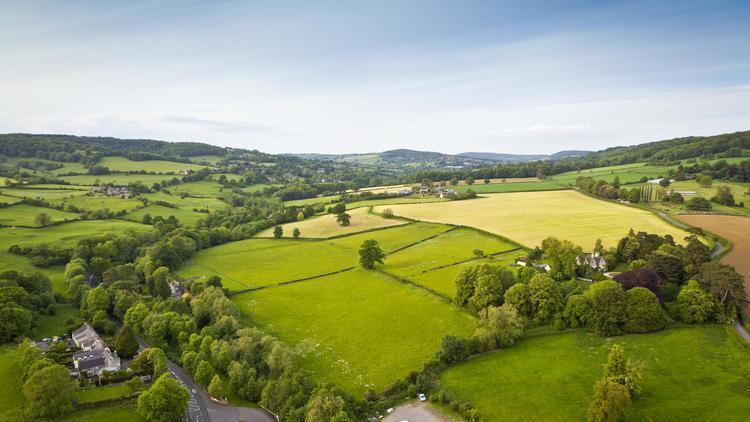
{"points": [[530, 217], [737, 230], [326, 225], [628, 173], [531, 186], [25, 215], [187, 203], [312, 201], [358, 329], [4, 199], [156, 166], [698, 373], [45, 194], [449, 248], [186, 217], [442, 279], [95, 202], [261, 262], [119, 179], [201, 188], [11, 398]]}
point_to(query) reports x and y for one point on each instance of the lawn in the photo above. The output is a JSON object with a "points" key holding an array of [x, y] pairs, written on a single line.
{"points": [[692, 373], [628, 173], [115, 412], [326, 225], [11, 398], [25, 215], [530, 217], [108, 392], [157, 166], [442, 280], [358, 329], [531, 186], [186, 217]]}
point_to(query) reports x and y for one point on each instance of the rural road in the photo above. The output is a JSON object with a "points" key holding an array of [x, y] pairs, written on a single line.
{"points": [[201, 408], [414, 411]]}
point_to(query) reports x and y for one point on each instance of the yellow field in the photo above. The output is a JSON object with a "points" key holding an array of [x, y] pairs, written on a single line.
{"points": [[326, 225], [530, 217]]}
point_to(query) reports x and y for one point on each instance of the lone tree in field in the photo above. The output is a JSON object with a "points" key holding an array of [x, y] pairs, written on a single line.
{"points": [[296, 233], [278, 231], [370, 253], [612, 393], [343, 219], [43, 219]]}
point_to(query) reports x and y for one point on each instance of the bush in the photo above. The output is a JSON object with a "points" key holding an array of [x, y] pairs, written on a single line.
{"points": [[644, 313], [695, 305], [698, 204]]}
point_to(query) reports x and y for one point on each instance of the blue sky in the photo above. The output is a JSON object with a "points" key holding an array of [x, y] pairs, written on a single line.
{"points": [[336, 77]]}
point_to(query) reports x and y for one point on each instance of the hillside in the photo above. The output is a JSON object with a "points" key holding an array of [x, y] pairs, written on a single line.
{"points": [[520, 158]]}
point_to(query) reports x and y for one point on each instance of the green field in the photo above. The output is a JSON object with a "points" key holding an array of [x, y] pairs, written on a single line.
{"points": [[95, 202], [107, 392], [325, 226], [45, 194], [119, 179], [530, 217], [512, 187], [358, 329], [11, 398], [4, 199], [184, 216], [259, 262], [312, 201], [692, 373], [187, 203], [54, 325], [628, 173], [118, 413], [24, 215], [157, 166]]}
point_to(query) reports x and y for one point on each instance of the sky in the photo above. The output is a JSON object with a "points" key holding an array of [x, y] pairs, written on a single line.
{"points": [[361, 76]]}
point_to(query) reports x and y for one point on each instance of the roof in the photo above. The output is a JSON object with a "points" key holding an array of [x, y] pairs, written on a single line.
{"points": [[85, 336], [90, 359]]}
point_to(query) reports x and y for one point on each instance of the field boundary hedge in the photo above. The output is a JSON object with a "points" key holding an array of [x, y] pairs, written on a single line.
{"points": [[284, 283]]}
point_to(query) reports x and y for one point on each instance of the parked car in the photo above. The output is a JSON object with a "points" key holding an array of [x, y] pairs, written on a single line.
{"points": [[421, 397], [389, 411]]}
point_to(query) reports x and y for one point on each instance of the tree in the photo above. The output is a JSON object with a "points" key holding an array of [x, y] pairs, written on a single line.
{"points": [[453, 350], [486, 181], [622, 371], [540, 174], [14, 322], [644, 313], [300, 216], [499, 326], [343, 219], [518, 295], [599, 247], [97, 300], [634, 195], [665, 182], [165, 401], [469, 180], [616, 182], [695, 305], [296, 233], [161, 285], [577, 312], [323, 405], [454, 181], [337, 209], [724, 196], [278, 231], [610, 401], [641, 277], [546, 298], [216, 388], [49, 392], [479, 286], [204, 373], [126, 343], [43, 219], [704, 180], [608, 307], [370, 253], [561, 255], [698, 203], [725, 284]]}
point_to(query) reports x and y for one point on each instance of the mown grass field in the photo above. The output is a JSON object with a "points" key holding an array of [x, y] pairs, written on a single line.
{"points": [[201, 188], [530, 217], [156, 166], [326, 225], [699, 373], [261, 262], [531, 186], [25, 215], [312, 201], [628, 173], [358, 329]]}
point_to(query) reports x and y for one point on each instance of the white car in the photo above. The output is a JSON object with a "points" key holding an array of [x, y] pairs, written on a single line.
{"points": [[389, 411], [421, 397]]}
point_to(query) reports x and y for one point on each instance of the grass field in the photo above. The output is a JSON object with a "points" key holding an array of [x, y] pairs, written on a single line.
{"points": [[4, 199], [530, 217], [262, 262], [326, 225], [11, 398], [24, 215], [118, 412], [312, 201], [95, 202], [628, 173], [119, 179], [733, 228], [184, 216], [202, 188], [692, 373], [358, 329], [188, 203], [54, 325], [156, 166], [107, 392], [530, 186], [45, 194], [411, 199]]}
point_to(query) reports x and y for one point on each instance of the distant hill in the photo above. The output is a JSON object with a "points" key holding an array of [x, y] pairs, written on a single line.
{"points": [[522, 158], [403, 158]]}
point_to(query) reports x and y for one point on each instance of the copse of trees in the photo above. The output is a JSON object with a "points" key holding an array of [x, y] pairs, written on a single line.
{"points": [[479, 286]]}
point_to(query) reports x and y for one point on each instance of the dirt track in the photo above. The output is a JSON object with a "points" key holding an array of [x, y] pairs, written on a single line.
{"points": [[736, 229]]}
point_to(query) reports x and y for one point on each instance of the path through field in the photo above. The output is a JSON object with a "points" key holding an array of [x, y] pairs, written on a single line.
{"points": [[734, 228]]}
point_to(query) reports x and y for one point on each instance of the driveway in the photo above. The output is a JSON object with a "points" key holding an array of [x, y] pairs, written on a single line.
{"points": [[415, 411]]}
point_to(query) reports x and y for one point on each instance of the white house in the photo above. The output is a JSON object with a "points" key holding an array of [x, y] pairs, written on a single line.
{"points": [[95, 356], [592, 260]]}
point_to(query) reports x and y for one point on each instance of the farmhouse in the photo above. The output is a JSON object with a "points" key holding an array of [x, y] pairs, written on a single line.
{"points": [[122, 192], [592, 260], [85, 338], [95, 356]]}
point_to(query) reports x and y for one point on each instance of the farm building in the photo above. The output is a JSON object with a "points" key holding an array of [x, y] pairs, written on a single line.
{"points": [[95, 356], [592, 260], [85, 338]]}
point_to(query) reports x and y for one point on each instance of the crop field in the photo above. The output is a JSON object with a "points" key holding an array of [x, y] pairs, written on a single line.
{"points": [[326, 225], [186, 217], [538, 185], [449, 248], [358, 329], [260, 262], [733, 228], [24, 215], [530, 217], [696, 373], [441, 280], [156, 166], [628, 173]]}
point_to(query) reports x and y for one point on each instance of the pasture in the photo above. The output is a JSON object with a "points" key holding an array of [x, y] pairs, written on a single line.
{"points": [[528, 186], [186, 217], [260, 262], [95, 202], [11, 398], [733, 228], [312, 201], [691, 373], [119, 179], [201, 188], [325, 226], [530, 217], [122, 164], [25, 215], [43, 194], [628, 173], [358, 329], [4, 199]]}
